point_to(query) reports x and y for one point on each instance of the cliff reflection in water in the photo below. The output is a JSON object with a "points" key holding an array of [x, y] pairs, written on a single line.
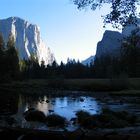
{"points": [[64, 106]]}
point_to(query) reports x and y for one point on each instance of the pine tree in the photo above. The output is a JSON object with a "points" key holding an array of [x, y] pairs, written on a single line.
{"points": [[12, 58], [2, 64], [11, 41], [1, 42]]}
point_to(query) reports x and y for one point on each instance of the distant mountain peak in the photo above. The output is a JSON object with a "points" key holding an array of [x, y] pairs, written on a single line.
{"points": [[88, 61]]}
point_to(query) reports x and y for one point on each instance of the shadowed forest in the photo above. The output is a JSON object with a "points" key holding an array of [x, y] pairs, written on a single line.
{"points": [[126, 65]]}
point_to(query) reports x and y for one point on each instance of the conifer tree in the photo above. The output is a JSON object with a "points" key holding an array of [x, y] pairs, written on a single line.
{"points": [[2, 64], [1, 42], [12, 57]]}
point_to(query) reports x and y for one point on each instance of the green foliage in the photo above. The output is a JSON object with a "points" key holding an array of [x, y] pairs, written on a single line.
{"points": [[1, 43], [11, 41], [122, 11], [9, 60], [1, 56], [130, 55], [12, 67], [116, 69], [12, 59], [22, 65], [126, 65]]}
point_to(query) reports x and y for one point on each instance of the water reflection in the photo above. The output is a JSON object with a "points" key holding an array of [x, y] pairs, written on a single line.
{"points": [[44, 105], [64, 106]]}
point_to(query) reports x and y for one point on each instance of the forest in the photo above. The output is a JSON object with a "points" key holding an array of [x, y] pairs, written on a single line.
{"points": [[14, 68]]}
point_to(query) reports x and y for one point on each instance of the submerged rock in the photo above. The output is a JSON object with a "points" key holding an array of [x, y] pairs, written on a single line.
{"points": [[47, 101], [34, 115], [51, 111], [56, 120], [73, 120]]}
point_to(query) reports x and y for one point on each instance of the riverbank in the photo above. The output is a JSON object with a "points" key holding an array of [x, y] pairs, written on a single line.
{"points": [[128, 133], [42, 86]]}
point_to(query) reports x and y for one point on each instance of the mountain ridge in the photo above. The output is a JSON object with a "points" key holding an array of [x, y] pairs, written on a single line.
{"points": [[89, 60], [27, 37]]}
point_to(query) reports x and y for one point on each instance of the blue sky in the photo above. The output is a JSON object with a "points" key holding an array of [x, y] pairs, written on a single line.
{"points": [[66, 30]]}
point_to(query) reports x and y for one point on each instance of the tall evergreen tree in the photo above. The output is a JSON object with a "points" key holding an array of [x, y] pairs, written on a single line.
{"points": [[11, 41], [1, 42], [130, 54], [2, 64], [12, 58]]}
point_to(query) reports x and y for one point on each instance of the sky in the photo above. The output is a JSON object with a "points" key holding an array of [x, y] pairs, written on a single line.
{"points": [[68, 32]]}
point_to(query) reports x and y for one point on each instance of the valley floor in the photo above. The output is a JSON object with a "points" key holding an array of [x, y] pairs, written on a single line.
{"points": [[41, 86]]}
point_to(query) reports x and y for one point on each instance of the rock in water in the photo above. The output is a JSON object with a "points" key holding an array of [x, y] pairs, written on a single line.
{"points": [[34, 115]]}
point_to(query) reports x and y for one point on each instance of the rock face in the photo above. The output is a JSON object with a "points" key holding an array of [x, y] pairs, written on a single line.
{"points": [[88, 61], [111, 41], [110, 44], [27, 39]]}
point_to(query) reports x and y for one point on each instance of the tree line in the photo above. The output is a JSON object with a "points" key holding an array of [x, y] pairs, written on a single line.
{"points": [[127, 64], [72, 69], [14, 68]]}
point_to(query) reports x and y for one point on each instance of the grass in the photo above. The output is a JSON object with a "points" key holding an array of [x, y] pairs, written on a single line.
{"points": [[135, 83], [41, 86], [128, 92], [96, 84]]}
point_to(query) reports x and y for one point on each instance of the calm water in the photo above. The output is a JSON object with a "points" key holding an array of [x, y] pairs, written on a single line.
{"points": [[64, 106]]}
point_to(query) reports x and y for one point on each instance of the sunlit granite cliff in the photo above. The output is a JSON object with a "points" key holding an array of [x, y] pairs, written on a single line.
{"points": [[27, 39]]}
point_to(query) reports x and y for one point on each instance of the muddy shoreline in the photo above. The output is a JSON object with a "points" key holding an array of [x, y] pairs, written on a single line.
{"points": [[129, 133]]}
